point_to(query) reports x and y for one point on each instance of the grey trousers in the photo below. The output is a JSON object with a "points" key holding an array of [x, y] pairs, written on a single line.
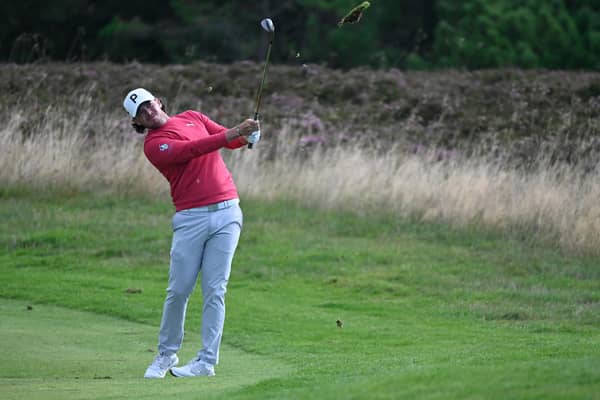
{"points": [[204, 242]]}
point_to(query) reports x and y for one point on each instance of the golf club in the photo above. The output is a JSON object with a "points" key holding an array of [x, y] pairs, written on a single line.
{"points": [[267, 25]]}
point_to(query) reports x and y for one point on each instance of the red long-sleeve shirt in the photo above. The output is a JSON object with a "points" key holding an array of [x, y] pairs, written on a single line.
{"points": [[186, 151]]}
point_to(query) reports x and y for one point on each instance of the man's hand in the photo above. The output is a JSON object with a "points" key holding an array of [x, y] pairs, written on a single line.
{"points": [[244, 130], [248, 127]]}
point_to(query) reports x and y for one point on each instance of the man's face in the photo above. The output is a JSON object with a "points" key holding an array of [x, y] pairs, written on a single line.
{"points": [[150, 115]]}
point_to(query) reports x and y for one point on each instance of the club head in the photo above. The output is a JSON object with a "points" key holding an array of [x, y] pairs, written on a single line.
{"points": [[267, 25]]}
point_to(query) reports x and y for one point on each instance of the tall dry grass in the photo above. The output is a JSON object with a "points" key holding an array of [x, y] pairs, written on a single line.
{"points": [[82, 149], [555, 203]]}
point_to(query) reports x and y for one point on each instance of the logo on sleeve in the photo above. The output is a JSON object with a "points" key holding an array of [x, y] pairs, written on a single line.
{"points": [[163, 147]]}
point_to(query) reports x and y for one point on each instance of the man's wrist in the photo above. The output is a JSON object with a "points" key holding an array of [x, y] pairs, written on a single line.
{"points": [[233, 134]]}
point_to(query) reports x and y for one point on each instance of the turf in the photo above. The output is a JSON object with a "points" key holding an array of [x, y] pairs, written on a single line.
{"points": [[56, 353], [428, 311]]}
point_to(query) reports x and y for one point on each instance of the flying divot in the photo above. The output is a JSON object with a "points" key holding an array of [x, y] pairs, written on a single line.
{"points": [[355, 14]]}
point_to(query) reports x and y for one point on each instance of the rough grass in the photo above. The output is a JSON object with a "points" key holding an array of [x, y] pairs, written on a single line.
{"points": [[552, 202]]}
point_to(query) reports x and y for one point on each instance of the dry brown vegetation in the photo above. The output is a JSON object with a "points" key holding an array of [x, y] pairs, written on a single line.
{"points": [[506, 149]]}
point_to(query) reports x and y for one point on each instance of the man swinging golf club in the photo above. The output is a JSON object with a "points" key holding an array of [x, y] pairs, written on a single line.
{"points": [[206, 226]]}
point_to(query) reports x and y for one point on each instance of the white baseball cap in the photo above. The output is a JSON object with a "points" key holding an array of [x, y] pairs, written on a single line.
{"points": [[134, 99]]}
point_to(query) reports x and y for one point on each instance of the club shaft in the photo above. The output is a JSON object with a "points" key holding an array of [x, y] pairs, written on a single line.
{"points": [[262, 84]]}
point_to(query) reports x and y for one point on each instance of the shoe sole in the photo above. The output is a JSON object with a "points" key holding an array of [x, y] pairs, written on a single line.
{"points": [[158, 377], [186, 376]]}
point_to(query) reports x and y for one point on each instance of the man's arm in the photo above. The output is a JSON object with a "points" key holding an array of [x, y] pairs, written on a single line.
{"points": [[236, 136], [166, 151]]}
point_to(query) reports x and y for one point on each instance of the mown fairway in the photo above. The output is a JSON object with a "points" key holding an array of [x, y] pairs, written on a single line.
{"points": [[428, 312]]}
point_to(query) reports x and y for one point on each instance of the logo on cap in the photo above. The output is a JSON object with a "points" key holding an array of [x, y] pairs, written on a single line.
{"points": [[163, 147], [133, 97]]}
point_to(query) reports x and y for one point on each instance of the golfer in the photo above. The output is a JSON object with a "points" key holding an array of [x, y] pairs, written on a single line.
{"points": [[206, 225]]}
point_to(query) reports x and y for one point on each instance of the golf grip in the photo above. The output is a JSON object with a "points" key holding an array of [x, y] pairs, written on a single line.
{"points": [[251, 145]]}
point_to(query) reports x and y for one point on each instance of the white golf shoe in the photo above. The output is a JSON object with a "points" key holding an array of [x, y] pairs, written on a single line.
{"points": [[193, 368], [160, 366]]}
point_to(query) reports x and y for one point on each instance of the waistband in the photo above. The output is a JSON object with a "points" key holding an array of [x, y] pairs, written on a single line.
{"points": [[216, 206]]}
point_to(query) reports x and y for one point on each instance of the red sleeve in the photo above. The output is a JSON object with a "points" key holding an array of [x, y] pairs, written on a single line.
{"points": [[163, 151], [211, 126], [236, 143], [214, 128]]}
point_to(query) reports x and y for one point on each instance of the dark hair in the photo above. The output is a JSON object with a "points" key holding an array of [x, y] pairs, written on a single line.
{"points": [[138, 128], [141, 128]]}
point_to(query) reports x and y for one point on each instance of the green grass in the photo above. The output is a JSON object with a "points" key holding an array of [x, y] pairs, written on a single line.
{"points": [[429, 311], [55, 353]]}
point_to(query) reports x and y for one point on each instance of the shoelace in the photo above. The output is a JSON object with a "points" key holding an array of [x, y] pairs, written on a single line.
{"points": [[197, 365], [163, 361]]}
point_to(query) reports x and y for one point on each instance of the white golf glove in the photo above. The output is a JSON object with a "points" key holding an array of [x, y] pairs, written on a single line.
{"points": [[254, 137]]}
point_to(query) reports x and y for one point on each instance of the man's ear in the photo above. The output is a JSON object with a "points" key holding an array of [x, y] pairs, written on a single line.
{"points": [[161, 105]]}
